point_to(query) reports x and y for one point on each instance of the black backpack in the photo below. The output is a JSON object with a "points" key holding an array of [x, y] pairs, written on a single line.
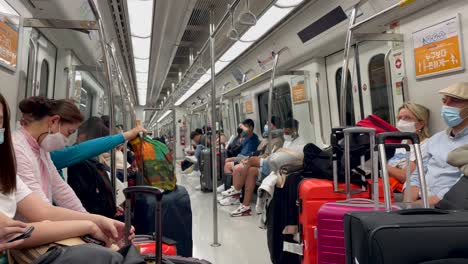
{"points": [[91, 184]]}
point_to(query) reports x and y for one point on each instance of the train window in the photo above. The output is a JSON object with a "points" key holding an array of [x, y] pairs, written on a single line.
{"points": [[281, 106], [44, 81], [237, 113], [350, 118], [378, 87]]}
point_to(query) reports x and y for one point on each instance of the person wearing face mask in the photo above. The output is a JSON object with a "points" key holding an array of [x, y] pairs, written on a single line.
{"points": [[48, 124], [412, 118], [441, 176], [51, 223], [250, 144]]}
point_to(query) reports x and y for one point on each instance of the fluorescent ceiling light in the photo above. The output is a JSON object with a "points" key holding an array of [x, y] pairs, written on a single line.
{"points": [[164, 116], [6, 8], [141, 17], [141, 24], [141, 65], [271, 17], [264, 24], [141, 47]]}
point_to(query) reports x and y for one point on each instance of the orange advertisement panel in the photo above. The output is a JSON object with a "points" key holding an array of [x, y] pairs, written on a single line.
{"points": [[299, 93], [437, 49], [249, 106], [9, 41]]}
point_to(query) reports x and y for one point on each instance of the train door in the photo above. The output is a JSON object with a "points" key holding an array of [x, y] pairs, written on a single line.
{"points": [[334, 69], [41, 66], [379, 95]]}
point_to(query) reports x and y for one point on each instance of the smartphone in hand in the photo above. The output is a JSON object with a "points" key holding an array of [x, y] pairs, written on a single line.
{"points": [[89, 239], [25, 235]]}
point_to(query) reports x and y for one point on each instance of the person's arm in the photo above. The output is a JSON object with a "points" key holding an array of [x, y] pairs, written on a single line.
{"points": [[80, 152], [36, 210], [400, 174], [62, 194]]}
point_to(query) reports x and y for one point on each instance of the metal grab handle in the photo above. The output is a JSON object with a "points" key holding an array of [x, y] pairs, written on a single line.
{"points": [[380, 139]]}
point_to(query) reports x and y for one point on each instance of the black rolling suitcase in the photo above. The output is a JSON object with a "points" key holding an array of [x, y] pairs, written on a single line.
{"points": [[158, 258], [418, 235], [206, 180]]}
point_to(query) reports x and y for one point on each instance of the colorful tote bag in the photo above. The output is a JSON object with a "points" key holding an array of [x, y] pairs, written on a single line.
{"points": [[155, 163]]}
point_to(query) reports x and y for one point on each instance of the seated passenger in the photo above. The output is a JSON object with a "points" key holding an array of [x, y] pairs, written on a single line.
{"points": [[250, 144], [235, 144], [412, 118], [48, 125], [440, 176], [18, 199], [200, 141], [246, 174], [89, 178]]}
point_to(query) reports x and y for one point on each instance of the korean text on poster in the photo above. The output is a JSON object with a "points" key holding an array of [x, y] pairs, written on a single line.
{"points": [[248, 104], [9, 28], [299, 93], [437, 48]]}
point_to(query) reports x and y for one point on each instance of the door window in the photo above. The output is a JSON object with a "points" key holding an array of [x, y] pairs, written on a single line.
{"points": [[350, 118], [44, 80], [281, 105], [378, 87]]}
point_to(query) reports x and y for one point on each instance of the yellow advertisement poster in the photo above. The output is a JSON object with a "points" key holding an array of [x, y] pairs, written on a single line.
{"points": [[437, 49], [299, 93]]}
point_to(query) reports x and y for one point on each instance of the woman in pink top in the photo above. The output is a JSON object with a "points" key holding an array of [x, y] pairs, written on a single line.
{"points": [[47, 125]]}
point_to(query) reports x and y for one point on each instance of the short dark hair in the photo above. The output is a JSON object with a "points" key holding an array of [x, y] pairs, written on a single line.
{"points": [[249, 122], [199, 131], [275, 121], [194, 134], [291, 123]]}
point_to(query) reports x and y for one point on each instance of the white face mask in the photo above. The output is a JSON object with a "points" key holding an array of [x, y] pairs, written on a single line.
{"points": [[288, 138], [406, 126], [54, 141]]}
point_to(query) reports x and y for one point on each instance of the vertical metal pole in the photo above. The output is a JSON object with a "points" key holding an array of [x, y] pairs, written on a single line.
{"points": [[388, 78], [270, 96], [174, 141], [344, 71], [214, 167], [110, 87]]}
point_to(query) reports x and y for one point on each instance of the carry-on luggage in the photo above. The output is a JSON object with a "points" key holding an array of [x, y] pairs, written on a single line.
{"points": [[330, 237], [313, 193], [158, 257], [206, 180], [418, 235]]}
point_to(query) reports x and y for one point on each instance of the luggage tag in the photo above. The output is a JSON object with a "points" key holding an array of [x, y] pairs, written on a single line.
{"points": [[293, 248]]}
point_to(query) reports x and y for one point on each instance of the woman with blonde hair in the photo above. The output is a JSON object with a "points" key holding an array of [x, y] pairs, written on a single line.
{"points": [[413, 118]]}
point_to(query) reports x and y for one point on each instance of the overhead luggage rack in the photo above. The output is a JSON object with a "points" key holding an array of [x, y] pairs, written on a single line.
{"points": [[373, 28]]}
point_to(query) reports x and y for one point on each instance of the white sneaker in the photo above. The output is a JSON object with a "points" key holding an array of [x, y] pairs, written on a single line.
{"points": [[242, 210], [230, 200], [220, 188], [195, 174], [230, 192], [198, 187]]}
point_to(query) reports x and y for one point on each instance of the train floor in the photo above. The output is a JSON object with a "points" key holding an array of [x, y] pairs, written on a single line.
{"points": [[242, 241]]}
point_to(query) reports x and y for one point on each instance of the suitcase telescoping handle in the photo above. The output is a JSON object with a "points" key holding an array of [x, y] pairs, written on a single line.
{"points": [[375, 183], [334, 142], [158, 193], [383, 162]]}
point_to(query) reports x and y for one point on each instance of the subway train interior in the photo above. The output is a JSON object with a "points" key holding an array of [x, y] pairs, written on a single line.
{"points": [[256, 71]]}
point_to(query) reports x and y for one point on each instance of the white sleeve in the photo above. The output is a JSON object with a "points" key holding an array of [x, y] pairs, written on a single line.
{"points": [[21, 190]]}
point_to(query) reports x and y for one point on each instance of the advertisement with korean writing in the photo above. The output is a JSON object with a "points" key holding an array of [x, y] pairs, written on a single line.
{"points": [[9, 28], [437, 48], [248, 104]]}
